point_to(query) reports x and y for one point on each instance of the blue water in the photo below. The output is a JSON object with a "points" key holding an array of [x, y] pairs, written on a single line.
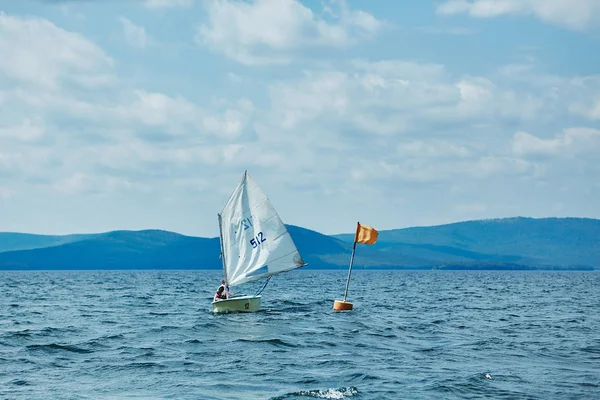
{"points": [[412, 335]]}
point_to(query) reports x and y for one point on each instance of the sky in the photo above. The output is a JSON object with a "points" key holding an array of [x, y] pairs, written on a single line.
{"points": [[145, 114]]}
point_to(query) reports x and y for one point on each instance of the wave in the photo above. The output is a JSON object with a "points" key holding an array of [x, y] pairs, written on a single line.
{"points": [[274, 342], [19, 382], [54, 347], [341, 393]]}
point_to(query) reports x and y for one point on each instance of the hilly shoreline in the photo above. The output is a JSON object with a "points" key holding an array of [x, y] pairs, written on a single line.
{"points": [[496, 244]]}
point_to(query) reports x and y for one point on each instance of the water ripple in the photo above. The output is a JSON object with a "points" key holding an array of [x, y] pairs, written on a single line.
{"points": [[151, 334]]}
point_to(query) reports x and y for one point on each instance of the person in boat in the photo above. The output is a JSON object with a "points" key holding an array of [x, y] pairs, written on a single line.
{"points": [[225, 287], [220, 295]]}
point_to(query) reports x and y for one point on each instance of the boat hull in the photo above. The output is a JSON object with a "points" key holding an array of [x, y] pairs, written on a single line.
{"points": [[237, 304]]}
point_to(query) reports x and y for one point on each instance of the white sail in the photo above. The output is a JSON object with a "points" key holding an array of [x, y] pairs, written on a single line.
{"points": [[255, 242]]}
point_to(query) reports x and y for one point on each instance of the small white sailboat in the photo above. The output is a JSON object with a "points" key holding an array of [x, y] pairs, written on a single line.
{"points": [[255, 244]]}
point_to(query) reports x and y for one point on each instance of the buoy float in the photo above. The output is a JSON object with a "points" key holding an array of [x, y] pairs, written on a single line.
{"points": [[366, 235], [341, 305]]}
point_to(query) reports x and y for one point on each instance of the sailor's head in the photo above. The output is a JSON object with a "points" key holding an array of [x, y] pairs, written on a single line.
{"points": [[222, 281]]}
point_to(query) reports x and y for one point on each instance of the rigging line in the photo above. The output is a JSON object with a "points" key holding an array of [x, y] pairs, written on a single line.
{"points": [[264, 286]]}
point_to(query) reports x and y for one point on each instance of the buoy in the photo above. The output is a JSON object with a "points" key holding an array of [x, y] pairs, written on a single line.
{"points": [[366, 235], [341, 305]]}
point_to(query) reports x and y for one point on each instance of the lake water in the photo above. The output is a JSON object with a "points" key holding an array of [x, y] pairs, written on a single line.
{"points": [[411, 335]]}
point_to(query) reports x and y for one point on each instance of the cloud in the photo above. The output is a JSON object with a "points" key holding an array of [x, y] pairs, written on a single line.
{"points": [[74, 183], [571, 142], [390, 98], [234, 78], [135, 35], [578, 96], [157, 4], [75, 146], [590, 110], [272, 31], [71, 125], [27, 131], [434, 148], [86, 183], [69, 13], [30, 54], [578, 15], [6, 192], [392, 122], [179, 116], [150, 116], [456, 31], [478, 167]]}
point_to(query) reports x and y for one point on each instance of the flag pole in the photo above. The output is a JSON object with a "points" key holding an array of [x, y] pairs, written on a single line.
{"points": [[351, 262], [342, 305]]}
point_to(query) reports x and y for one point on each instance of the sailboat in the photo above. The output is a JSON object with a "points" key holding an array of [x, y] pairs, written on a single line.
{"points": [[255, 245]]}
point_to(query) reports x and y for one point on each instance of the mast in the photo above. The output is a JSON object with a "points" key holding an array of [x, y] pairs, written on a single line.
{"points": [[222, 251]]}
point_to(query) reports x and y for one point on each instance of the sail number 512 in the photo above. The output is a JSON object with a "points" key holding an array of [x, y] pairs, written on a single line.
{"points": [[257, 240]]}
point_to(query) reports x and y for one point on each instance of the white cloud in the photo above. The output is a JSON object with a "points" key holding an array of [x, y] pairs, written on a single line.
{"points": [[489, 166], [571, 142], [180, 116], [69, 13], [579, 95], [269, 31], [135, 35], [392, 171], [457, 30], [6, 192], [516, 70], [138, 110], [74, 183], [62, 140], [158, 109], [168, 3], [86, 183], [395, 122], [115, 145], [589, 109], [27, 131], [8, 160], [432, 148], [234, 78], [394, 98], [31, 55], [579, 14], [23, 162]]}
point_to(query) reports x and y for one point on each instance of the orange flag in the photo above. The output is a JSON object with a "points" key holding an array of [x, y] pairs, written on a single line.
{"points": [[365, 234]]}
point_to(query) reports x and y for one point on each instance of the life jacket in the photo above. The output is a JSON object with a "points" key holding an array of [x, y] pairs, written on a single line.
{"points": [[220, 296], [225, 293]]}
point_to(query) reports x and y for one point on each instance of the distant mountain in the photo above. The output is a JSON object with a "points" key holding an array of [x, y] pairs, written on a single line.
{"points": [[27, 241], [149, 249], [512, 243], [530, 241]]}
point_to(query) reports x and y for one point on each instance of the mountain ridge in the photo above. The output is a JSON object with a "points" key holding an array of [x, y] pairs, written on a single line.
{"points": [[504, 243]]}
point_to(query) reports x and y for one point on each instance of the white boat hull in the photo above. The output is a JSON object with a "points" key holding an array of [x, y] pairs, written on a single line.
{"points": [[237, 304]]}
